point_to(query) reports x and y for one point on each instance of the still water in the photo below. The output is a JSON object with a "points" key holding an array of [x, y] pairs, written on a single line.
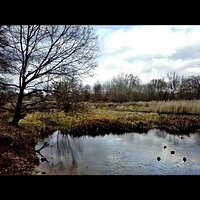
{"points": [[127, 154]]}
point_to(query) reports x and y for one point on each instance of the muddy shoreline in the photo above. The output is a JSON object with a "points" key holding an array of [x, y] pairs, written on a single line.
{"points": [[17, 151]]}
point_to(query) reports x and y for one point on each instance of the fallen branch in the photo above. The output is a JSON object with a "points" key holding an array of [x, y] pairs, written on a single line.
{"points": [[43, 146], [38, 151]]}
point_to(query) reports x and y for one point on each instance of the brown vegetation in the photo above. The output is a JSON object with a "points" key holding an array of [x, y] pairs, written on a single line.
{"points": [[17, 151], [161, 107]]}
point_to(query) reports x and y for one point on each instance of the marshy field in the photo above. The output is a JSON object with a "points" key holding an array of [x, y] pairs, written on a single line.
{"points": [[97, 100], [102, 125]]}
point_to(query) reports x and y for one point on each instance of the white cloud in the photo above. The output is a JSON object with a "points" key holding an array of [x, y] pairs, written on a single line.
{"points": [[147, 51]]}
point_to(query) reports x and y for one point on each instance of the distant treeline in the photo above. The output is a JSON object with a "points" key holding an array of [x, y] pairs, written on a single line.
{"points": [[126, 87], [67, 93]]}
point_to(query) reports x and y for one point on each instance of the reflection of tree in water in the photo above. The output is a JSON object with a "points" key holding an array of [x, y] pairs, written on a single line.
{"points": [[172, 138], [159, 133], [68, 150], [197, 138]]}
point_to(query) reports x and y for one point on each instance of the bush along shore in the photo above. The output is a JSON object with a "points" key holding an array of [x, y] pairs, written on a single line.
{"points": [[17, 149]]}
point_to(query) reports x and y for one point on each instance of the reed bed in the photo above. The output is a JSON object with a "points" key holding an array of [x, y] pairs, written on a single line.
{"points": [[168, 107], [172, 107]]}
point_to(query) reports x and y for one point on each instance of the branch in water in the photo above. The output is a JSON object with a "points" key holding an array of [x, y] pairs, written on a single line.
{"points": [[43, 146], [38, 151]]}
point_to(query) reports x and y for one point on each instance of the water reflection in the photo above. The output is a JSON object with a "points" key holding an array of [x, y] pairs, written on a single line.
{"points": [[158, 133], [131, 153], [197, 138]]}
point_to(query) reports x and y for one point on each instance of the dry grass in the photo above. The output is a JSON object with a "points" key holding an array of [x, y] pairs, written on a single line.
{"points": [[5, 116], [173, 107], [170, 107]]}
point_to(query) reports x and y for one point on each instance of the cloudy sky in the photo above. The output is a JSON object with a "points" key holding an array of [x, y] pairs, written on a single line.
{"points": [[147, 51]]}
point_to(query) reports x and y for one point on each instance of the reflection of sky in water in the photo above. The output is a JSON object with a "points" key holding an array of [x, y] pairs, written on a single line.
{"points": [[130, 153]]}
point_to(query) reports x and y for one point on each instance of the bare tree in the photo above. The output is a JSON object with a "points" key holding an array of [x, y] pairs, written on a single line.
{"points": [[120, 89], [196, 85], [39, 54], [124, 86], [86, 93], [173, 83], [67, 93], [190, 87], [159, 89], [98, 91], [4, 65]]}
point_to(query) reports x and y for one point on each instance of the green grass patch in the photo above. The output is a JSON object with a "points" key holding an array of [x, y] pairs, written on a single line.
{"points": [[102, 121], [92, 121]]}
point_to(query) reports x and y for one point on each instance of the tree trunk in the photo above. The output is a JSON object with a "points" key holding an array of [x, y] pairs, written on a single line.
{"points": [[16, 118], [17, 114]]}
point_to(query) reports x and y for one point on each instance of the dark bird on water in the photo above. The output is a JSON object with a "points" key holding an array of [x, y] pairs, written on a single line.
{"points": [[158, 158], [44, 159], [184, 159], [164, 147], [172, 152]]}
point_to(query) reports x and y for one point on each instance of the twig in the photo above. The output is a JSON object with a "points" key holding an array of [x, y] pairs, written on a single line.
{"points": [[43, 146]]}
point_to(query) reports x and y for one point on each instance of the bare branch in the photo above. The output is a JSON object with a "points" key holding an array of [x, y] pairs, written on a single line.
{"points": [[39, 54]]}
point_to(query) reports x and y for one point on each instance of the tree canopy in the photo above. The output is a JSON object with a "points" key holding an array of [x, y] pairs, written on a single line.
{"points": [[38, 54]]}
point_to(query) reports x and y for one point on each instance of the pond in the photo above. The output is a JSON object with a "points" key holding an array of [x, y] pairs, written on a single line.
{"points": [[127, 154]]}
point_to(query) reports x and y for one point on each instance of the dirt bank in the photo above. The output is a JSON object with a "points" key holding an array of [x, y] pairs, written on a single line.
{"points": [[17, 151]]}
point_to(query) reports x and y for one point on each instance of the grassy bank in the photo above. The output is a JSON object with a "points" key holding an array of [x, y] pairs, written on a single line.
{"points": [[94, 122], [99, 121]]}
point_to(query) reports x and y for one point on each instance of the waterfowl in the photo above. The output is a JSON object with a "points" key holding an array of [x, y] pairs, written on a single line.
{"points": [[158, 158], [44, 159], [172, 152], [184, 159]]}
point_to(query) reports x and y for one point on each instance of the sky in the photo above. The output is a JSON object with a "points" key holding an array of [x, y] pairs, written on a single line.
{"points": [[148, 51]]}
